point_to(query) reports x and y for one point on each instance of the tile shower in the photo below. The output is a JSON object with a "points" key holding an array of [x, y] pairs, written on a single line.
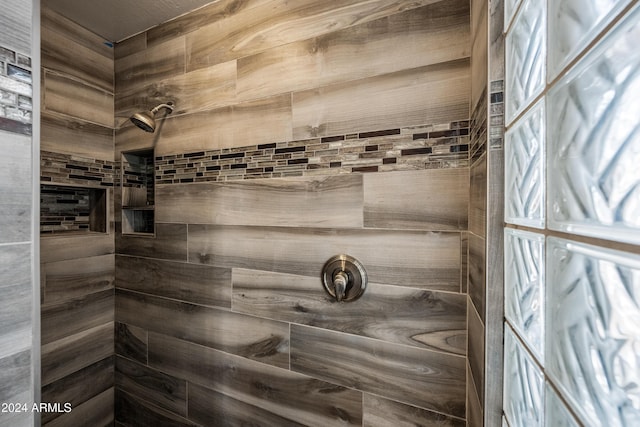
{"points": [[261, 175]]}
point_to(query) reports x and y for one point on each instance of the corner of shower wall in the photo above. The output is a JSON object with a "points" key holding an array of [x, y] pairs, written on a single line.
{"points": [[484, 396], [77, 249]]}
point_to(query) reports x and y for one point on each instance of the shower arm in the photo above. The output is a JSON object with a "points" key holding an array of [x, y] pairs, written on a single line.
{"points": [[168, 106]]}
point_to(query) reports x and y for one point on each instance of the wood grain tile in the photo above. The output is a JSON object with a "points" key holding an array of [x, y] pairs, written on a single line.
{"points": [[209, 407], [479, 37], [133, 44], [204, 89], [399, 101], [289, 395], [77, 34], [423, 378], [15, 188], [476, 350], [270, 117], [15, 376], [89, 64], [131, 342], [209, 130], [70, 279], [155, 387], [79, 387], [274, 23], [258, 339], [70, 354], [290, 202], [69, 317], [379, 412], [477, 268], [16, 23], [62, 247], [169, 243], [199, 284], [133, 411], [435, 199], [419, 259], [17, 299], [417, 37], [425, 319], [475, 416], [153, 64], [495, 291], [90, 140], [477, 197], [72, 98], [97, 411]]}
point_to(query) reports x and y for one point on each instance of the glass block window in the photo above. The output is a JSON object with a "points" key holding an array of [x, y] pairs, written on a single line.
{"points": [[594, 140], [523, 385], [572, 214], [524, 169], [525, 52], [557, 414], [592, 336], [524, 286], [572, 26]]}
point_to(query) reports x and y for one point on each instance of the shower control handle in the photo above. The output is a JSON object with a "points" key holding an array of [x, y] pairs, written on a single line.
{"points": [[340, 281], [344, 278]]}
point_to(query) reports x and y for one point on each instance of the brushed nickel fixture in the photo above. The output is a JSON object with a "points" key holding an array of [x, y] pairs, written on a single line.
{"points": [[344, 277], [146, 121]]}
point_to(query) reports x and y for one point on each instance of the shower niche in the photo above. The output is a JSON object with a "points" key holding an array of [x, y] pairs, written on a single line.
{"points": [[138, 192]]}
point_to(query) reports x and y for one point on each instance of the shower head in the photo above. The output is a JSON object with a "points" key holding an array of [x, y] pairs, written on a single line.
{"points": [[145, 120]]}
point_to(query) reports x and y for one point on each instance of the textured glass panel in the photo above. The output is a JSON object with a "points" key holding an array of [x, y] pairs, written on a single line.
{"points": [[557, 414], [573, 24], [510, 7], [593, 122], [524, 170], [525, 57], [524, 286], [593, 331], [523, 399]]}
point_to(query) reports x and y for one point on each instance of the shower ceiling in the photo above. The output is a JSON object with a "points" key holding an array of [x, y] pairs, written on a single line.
{"points": [[116, 20]]}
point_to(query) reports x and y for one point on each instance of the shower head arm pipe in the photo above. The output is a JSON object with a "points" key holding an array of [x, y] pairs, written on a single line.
{"points": [[168, 105]]}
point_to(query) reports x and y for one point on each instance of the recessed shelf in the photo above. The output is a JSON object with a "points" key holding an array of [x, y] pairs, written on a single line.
{"points": [[72, 209], [138, 193]]}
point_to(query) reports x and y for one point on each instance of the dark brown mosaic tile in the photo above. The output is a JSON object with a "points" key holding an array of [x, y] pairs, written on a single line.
{"points": [[373, 134]]}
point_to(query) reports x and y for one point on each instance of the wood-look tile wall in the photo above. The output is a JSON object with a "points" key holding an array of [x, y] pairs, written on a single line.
{"points": [[78, 270], [18, 282], [247, 73], [221, 317], [225, 319], [485, 286]]}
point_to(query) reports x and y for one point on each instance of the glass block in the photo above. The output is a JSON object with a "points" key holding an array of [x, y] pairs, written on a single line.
{"points": [[510, 7], [592, 338], [523, 398], [593, 122], [525, 53], [557, 414], [524, 170], [573, 24], [524, 286]]}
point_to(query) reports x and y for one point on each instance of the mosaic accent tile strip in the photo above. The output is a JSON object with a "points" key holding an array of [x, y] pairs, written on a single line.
{"points": [[16, 92], [496, 115], [69, 169], [411, 148], [64, 208], [592, 337]]}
